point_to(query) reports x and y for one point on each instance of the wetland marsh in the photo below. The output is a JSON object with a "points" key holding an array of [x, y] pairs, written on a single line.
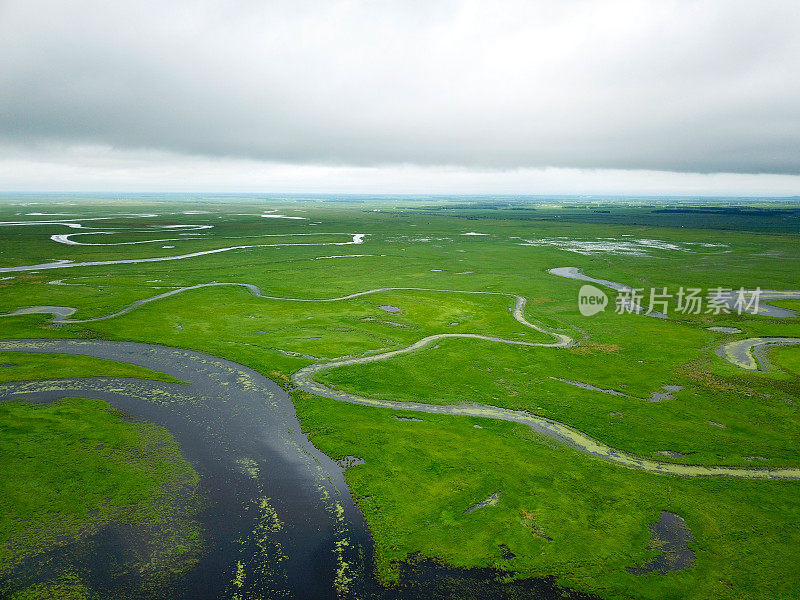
{"points": [[489, 434]]}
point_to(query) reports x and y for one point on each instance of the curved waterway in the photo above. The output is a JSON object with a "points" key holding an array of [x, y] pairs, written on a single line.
{"points": [[304, 380], [239, 430], [745, 299], [66, 238], [627, 303], [356, 238], [750, 353], [61, 314], [734, 300]]}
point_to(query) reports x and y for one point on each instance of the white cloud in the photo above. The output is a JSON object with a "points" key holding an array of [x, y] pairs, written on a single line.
{"points": [[105, 169], [675, 85]]}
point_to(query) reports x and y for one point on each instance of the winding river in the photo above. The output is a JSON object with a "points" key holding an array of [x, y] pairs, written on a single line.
{"points": [[750, 353], [560, 432], [239, 430], [626, 302], [732, 299], [304, 380], [226, 417], [60, 314], [356, 238]]}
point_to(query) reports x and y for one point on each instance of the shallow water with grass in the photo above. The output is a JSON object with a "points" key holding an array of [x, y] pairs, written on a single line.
{"points": [[561, 514]]}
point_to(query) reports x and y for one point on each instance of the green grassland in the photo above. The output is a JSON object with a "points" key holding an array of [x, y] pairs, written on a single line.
{"points": [[786, 359], [28, 367], [420, 477], [75, 468]]}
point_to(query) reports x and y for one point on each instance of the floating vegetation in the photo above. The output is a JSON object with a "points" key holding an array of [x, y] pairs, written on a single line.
{"points": [[749, 353], [249, 467], [238, 580]]}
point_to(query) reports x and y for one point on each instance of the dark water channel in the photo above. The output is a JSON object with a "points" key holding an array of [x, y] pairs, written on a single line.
{"points": [[240, 432]]}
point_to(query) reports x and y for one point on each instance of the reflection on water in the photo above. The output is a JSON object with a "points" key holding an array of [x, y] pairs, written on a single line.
{"points": [[279, 521], [670, 536]]}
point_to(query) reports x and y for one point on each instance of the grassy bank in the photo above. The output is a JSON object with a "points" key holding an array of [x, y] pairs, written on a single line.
{"points": [[420, 476], [560, 513], [17, 366], [76, 469]]}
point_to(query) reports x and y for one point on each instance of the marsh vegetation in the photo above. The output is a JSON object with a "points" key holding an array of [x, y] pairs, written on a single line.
{"points": [[558, 512]]}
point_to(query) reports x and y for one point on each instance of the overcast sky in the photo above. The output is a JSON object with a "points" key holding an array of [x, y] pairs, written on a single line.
{"points": [[554, 96]]}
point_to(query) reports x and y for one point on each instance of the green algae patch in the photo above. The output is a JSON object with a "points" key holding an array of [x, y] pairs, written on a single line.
{"points": [[18, 366], [75, 472], [66, 587]]}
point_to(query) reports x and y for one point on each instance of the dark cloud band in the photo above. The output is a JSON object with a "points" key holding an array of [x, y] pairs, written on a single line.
{"points": [[682, 86]]}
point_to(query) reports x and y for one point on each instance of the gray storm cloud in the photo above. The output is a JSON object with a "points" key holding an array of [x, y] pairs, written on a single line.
{"points": [[681, 86]]}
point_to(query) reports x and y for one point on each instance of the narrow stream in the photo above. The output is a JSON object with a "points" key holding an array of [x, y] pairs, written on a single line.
{"points": [[227, 415]]}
